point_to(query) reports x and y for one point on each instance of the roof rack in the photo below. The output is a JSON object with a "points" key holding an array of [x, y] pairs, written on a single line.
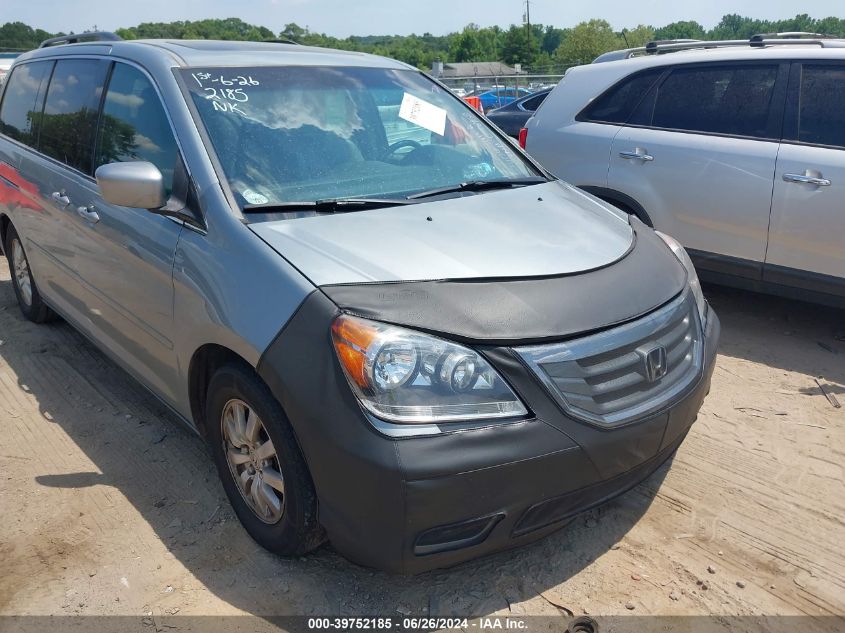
{"points": [[660, 47], [757, 41], [625, 53], [74, 38], [280, 40], [793, 35]]}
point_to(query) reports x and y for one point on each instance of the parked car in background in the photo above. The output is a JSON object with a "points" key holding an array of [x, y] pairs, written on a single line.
{"points": [[737, 150], [393, 328], [6, 60], [512, 117], [498, 97]]}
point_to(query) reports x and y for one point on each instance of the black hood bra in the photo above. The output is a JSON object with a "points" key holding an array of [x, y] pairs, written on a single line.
{"points": [[529, 310]]}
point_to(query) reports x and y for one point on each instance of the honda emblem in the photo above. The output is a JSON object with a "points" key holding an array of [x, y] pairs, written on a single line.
{"points": [[654, 361]]}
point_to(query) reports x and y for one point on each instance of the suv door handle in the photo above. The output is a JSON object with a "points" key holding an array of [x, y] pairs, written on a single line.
{"points": [[60, 197], [638, 153], [810, 180], [88, 213]]}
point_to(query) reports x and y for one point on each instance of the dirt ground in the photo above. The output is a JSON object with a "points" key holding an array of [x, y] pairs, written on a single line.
{"points": [[109, 506]]}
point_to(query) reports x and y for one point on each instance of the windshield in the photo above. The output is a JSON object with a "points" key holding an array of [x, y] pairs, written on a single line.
{"points": [[292, 133]]}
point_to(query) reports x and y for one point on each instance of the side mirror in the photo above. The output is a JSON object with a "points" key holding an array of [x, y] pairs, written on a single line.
{"points": [[137, 184]]}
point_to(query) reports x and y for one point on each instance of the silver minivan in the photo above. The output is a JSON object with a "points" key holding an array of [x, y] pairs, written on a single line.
{"points": [[394, 329]]}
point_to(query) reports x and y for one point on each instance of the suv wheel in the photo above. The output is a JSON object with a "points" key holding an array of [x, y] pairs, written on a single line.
{"points": [[29, 299], [259, 462]]}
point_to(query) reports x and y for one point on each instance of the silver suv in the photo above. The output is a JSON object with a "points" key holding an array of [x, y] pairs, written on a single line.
{"points": [[394, 330], [737, 150]]}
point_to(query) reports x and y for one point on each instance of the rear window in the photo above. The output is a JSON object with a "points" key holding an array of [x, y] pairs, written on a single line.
{"points": [[617, 103], [533, 103], [733, 100], [822, 106], [23, 101]]}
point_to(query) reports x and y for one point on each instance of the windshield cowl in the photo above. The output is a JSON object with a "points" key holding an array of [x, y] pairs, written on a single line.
{"points": [[469, 237]]}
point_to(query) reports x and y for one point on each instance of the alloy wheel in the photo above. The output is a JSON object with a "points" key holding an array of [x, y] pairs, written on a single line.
{"points": [[253, 461], [20, 269]]}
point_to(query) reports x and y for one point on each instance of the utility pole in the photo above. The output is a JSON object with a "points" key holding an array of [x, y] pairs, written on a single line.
{"points": [[527, 20]]}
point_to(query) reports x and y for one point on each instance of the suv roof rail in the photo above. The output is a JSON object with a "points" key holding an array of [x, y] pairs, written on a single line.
{"points": [[73, 38], [758, 41], [792, 35], [281, 40], [653, 45], [625, 53]]}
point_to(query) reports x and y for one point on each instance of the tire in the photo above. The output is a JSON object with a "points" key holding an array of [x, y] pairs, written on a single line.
{"points": [[235, 391], [29, 299]]}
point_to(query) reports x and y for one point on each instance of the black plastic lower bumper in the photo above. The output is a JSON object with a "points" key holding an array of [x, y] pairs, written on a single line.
{"points": [[414, 504]]}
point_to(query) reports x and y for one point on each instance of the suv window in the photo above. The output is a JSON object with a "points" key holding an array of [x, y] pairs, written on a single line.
{"points": [[723, 100], [23, 101], [70, 112], [134, 124], [821, 114], [618, 102]]}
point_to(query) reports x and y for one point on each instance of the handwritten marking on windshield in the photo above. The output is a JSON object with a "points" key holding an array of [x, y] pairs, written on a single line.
{"points": [[227, 106], [238, 80], [223, 97], [232, 94]]}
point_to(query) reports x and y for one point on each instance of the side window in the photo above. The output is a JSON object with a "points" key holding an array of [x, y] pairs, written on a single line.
{"points": [[70, 112], [134, 124], [23, 101], [821, 118], [617, 103], [722, 100]]}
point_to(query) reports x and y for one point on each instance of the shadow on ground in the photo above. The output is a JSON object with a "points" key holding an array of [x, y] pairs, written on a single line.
{"points": [[783, 334]]}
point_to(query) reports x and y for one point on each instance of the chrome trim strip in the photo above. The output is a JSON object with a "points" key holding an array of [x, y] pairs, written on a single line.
{"points": [[636, 332]]}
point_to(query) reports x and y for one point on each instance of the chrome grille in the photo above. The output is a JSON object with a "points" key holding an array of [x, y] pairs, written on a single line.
{"points": [[615, 376]]}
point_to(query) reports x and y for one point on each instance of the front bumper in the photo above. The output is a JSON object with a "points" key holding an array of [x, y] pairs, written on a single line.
{"points": [[414, 504]]}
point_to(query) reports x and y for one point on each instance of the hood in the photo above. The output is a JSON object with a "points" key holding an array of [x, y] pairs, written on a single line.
{"points": [[539, 230]]}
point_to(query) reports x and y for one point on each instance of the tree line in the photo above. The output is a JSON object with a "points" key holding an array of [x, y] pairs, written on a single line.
{"points": [[542, 48]]}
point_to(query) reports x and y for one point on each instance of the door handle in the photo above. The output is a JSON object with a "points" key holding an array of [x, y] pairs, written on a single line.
{"points": [[809, 180], [60, 197], [88, 213], [637, 153]]}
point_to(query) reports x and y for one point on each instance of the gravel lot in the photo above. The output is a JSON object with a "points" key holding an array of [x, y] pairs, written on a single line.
{"points": [[108, 506]]}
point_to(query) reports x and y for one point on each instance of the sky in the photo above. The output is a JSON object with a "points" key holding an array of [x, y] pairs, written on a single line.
{"points": [[342, 18]]}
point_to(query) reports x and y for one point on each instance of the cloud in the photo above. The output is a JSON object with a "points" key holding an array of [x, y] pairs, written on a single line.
{"points": [[127, 100], [146, 144]]}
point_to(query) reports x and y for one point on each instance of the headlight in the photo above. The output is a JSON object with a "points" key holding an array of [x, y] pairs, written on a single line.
{"points": [[404, 376], [694, 284]]}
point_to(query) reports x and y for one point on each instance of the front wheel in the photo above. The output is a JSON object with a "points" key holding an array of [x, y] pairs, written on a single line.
{"points": [[29, 299], [259, 462]]}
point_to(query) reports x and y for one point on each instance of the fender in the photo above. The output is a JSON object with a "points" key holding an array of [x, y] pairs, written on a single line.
{"points": [[618, 199]]}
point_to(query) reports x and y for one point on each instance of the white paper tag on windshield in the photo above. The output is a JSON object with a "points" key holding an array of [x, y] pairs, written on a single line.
{"points": [[423, 113], [253, 197]]}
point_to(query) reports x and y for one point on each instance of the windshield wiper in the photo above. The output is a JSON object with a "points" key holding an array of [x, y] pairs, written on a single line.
{"points": [[340, 205], [480, 185]]}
